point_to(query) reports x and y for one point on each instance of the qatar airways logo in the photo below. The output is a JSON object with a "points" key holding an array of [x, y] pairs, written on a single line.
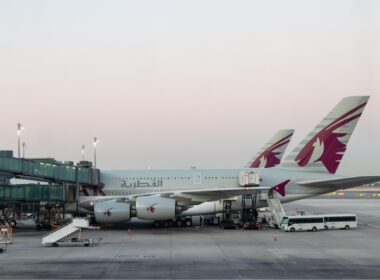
{"points": [[108, 212], [151, 208], [280, 188], [96, 190], [269, 158], [325, 146]]}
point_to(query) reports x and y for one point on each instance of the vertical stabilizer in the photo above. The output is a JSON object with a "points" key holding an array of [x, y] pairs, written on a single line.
{"points": [[271, 154], [324, 147]]}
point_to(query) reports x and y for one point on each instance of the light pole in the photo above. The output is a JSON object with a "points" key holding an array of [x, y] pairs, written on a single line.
{"points": [[23, 149], [83, 147], [19, 128], [95, 142]]}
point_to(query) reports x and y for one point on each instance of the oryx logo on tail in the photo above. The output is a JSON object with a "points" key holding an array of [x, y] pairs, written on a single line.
{"points": [[326, 146], [269, 158]]}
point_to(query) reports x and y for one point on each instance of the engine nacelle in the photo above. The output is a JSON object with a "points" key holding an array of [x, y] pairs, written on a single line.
{"points": [[111, 212], [155, 208]]}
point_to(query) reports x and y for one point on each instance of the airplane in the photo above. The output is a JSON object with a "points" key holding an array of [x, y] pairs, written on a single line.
{"points": [[269, 156], [308, 171]]}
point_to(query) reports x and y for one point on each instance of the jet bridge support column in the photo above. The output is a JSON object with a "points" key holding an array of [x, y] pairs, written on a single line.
{"points": [[77, 198]]}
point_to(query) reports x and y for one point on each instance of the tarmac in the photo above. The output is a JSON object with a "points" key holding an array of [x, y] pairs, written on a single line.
{"points": [[211, 253]]}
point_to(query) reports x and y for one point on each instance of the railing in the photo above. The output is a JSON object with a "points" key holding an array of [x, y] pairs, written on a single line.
{"points": [[57, 229], [49, 170]]}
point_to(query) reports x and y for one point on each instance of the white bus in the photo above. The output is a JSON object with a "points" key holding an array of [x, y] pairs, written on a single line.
{"points": [[340, 221], [298, 223]]}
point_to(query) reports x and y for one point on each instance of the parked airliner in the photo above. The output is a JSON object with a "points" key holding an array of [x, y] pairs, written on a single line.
{"points": [[308, 171]]}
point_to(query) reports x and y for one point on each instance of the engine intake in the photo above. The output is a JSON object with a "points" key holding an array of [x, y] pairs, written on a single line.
{"points": [[155, 208], [110, 212]]}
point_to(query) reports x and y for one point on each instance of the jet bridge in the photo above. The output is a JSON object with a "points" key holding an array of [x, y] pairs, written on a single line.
{"points": [[47, 170], [60, 188]]}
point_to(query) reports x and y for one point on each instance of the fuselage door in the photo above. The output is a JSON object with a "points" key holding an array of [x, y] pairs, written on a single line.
{"points": [[197, 178]]}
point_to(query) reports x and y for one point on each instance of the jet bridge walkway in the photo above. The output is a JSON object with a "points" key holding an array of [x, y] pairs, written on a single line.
{"points": [[47, 170]]}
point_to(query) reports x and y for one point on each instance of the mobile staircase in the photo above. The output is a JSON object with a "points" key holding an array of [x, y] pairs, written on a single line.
{"points": [[277, 211], [57, 236], [6, 237]]}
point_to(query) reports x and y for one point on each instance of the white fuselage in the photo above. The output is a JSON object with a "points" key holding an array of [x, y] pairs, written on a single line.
{"points": [[122, 183]]}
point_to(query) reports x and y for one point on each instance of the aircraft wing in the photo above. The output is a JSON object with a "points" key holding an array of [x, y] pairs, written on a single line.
{"points": [[205, 195], [192, 197], [343, 183]]}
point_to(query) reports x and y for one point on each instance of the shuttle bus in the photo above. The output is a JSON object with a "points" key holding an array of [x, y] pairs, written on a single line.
{"points": [[340, 221], [300, 223]]}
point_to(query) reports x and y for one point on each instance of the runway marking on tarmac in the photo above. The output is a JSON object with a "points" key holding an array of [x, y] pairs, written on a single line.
{"points": [[278, 254]]}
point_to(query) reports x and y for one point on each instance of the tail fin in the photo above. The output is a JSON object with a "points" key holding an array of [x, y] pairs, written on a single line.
{"points": [[323, 149], [271, 154]]}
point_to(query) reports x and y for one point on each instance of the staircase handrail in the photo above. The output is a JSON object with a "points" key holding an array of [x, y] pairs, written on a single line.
{"points": [[61, 227]]}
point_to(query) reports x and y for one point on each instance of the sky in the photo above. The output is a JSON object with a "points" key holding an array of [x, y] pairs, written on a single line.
{"points": [[174, 84]]}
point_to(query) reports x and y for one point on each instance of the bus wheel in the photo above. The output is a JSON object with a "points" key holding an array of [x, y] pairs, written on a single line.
{"points": [[347, 227], [314, 229], [292, 229]]}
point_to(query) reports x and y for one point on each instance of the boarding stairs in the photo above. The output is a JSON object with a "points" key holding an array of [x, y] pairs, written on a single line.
{"points": [[277, 211], [65, 231], [6, 237]]}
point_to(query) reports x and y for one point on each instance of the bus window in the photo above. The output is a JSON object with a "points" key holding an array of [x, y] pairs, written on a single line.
{"points": [[285, 220]]}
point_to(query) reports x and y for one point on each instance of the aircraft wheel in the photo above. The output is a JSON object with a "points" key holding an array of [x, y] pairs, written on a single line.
{"points": [[166, 223], [12, 223], [188, 223], [178, 223], [156, 224]]}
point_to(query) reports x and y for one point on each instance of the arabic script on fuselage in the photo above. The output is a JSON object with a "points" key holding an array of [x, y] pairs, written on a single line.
{"points": [[141, 184]]}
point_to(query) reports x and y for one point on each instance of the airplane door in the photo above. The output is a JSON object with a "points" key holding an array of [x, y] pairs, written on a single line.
{"points": [[197, 178]]}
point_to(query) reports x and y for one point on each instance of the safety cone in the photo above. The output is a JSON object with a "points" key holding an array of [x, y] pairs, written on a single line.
{"points": [[275, 238], [129, 231]]}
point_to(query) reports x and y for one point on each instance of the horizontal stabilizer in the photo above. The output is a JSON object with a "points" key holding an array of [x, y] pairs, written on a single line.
{"points": [[341, 183]]}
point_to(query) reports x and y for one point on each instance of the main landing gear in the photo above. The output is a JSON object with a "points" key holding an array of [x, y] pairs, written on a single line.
{"points": [[180, 222]]}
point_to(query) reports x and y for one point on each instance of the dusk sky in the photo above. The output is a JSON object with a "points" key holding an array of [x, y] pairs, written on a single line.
{"points": [[174, 84]]}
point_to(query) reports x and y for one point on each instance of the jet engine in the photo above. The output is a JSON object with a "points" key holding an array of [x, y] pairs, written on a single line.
{"points": [[155, 208], [110, 212]]}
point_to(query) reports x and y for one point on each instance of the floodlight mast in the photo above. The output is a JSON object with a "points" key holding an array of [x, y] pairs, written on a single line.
{"points": [[95, 142], [19, 128]]}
